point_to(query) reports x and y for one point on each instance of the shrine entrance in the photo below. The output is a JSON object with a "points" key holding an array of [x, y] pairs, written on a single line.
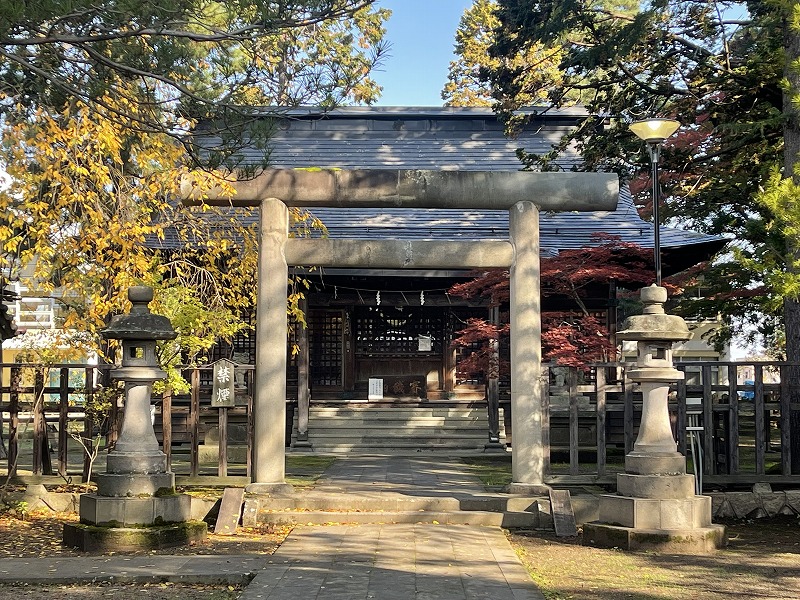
{"points": [[522, 193]]}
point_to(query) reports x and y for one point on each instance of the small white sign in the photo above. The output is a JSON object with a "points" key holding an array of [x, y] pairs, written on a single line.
{"points": [[375, 389], [425, 343]]}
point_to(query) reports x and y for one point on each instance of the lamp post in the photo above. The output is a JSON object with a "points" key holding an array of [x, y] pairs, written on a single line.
{"points": [[654, 132]]}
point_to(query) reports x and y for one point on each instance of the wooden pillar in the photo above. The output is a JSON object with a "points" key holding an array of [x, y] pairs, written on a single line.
{"points": [[493, 383], [448, 356], [13, 421], [303, 380]]}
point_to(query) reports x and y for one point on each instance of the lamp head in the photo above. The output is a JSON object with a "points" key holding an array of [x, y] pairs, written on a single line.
{"points": [[654, 131]]}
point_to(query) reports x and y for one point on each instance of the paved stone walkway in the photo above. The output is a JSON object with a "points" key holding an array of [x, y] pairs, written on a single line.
{"points": [[394, 562], [429, 476]]}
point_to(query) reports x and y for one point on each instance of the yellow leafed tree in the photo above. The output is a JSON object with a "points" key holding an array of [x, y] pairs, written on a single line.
{"points": [[93, 205]]}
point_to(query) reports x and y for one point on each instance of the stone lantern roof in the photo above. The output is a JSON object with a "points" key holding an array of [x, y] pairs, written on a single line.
{"points": [[140, 323], [654, 323]]}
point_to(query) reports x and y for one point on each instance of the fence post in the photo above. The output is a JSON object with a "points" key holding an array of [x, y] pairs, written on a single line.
{"points": [[758, 418], [250, 424], [166, 426], [222, 468], [546, 450], [627, 413], [88, 429], [680, 425], [63, 421], [41, 448], [194, 423], [574, 430], [710, 454], [786, 422], [733, 421], [13, 421], [600, 390]]}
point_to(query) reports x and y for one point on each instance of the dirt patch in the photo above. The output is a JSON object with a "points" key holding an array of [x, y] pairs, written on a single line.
{"points": [[39, 535], [142, 591], [761, 561]]}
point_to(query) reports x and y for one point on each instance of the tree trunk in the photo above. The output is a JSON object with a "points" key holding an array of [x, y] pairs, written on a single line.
{"points": [[791, 138]]}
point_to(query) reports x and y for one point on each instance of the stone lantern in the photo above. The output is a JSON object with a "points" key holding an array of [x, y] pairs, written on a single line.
{"points": [[136, 505], [655, 506]]}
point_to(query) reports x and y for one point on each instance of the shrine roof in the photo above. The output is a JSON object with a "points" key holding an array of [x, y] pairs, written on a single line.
{"points": [[453, 138]]}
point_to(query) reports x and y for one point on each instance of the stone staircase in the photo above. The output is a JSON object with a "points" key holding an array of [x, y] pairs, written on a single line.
{"points": [[363, 427], [314, 508]]}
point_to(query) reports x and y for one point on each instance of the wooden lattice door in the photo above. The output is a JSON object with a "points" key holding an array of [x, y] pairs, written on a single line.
{"points": [[326, 330]]}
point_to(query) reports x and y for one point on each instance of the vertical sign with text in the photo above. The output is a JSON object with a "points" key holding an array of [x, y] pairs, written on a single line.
{"points": [[222, 393]]}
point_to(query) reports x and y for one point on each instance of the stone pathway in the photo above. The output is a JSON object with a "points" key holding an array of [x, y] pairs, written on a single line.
{"points": [[394, 562], [423, 476]]}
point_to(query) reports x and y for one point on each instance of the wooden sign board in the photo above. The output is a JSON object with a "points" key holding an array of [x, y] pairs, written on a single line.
{"points": [[223, 391]]}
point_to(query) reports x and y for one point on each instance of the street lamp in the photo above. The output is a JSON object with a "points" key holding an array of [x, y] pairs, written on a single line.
{"points": [[654, 132]]}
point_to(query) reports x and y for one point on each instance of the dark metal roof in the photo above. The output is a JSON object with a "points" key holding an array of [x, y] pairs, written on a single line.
{"points": [[452, 138]]}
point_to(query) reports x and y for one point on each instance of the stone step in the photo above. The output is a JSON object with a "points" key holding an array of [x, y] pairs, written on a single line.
{"points": [[388, 430], [369, 448], [364, 428], [495, 519], [319, 508], [393, 412]]}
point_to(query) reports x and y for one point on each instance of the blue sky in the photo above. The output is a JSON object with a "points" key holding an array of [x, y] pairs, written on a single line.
{"points": [[421, 34]]}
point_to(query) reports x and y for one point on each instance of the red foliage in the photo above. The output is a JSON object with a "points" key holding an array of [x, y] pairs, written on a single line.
{"points": [[477, 335], [567, 338], [491, 284], [574, 340], [569, 272]]}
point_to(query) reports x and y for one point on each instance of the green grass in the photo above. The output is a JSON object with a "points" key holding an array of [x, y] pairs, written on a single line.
{"points": [[491, 470], [303, 471]]}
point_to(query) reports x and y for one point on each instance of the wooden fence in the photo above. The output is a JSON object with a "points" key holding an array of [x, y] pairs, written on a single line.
{"points": [[734, 419]]}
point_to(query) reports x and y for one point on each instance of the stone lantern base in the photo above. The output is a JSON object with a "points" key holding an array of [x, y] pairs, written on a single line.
{"points": [[679, 525], [114, 519], [655, 512]]}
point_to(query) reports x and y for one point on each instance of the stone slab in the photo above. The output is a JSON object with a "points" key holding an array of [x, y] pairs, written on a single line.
{"points": [[563, 517], [652, 513], [394, 562], [229, 511], [107, 511], [494, 519], [92, 538], [655, 486], [705, 540], [134, 484]]}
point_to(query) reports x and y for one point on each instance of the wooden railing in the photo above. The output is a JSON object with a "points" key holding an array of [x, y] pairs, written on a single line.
{"points": [[739, 416], [740, 411]]}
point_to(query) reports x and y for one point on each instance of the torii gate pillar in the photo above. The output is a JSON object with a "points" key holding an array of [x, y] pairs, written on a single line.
{"points": [[527, 417], [522, 193]]}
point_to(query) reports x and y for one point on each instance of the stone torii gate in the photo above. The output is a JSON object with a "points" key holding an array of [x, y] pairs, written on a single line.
{"points": [[522, 193]]}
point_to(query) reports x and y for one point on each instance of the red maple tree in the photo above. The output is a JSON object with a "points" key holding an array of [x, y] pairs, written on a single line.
{"points": [[573, 336]]}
